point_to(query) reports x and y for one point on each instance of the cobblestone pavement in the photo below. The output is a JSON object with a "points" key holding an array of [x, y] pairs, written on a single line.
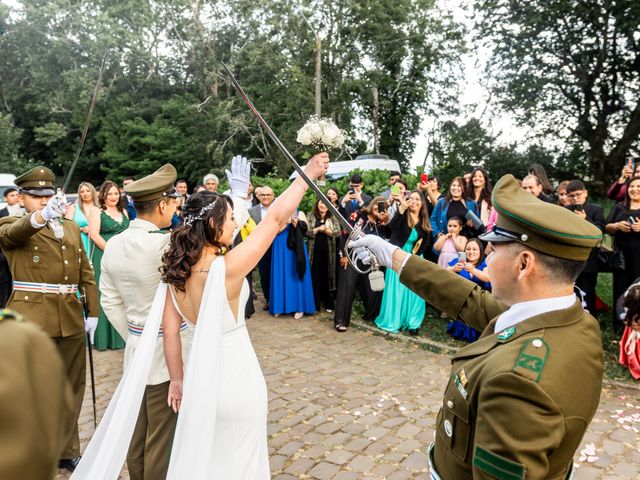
{"points": [[359, 406]]}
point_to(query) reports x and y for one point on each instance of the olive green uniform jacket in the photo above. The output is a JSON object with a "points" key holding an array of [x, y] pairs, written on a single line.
{"points": [[518, 402], [36, 406], [36, 255]]}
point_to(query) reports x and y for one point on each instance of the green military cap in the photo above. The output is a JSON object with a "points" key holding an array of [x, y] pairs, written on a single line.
{"points": [[542, 226], [38, 182], [155, 186]]}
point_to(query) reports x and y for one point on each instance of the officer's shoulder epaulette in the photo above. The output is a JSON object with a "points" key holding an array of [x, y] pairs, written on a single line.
{"points": [[532, 358], [7, 314]]}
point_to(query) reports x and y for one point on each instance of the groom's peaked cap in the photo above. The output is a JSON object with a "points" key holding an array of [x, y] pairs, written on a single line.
{"points": [[160, 184]]}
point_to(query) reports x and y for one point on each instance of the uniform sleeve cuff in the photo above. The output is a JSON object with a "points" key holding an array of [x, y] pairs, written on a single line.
{"points": [[404, 262], [34, 223]]}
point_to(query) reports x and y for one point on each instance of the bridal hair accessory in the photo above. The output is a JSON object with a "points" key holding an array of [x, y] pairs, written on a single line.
{"points": [[320, 135], [189, 219]]}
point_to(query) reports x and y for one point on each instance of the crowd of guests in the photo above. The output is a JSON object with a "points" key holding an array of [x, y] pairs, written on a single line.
{"points": [[307, 267]]}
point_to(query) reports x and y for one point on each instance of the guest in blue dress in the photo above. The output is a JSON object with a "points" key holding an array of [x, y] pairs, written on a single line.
{"points": [[291, 289], [410, 229], [80, 211], [472, 267]]}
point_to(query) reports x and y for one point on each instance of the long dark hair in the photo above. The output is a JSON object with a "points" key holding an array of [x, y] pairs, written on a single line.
{"points": [[485, 193], [202, 226], [104, 191], [423, 215], [627, 198], [461, 181], [317, 214], [480, 247]]}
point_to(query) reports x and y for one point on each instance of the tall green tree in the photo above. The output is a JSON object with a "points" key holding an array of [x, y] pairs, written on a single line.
{"points": [[570, 68]]}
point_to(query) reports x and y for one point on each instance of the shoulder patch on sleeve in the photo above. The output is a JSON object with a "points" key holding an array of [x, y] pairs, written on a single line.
{"points": [[497, 466], [532, 359]]}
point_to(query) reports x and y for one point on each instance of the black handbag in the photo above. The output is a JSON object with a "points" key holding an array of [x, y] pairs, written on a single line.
{"points": [[610, 260]]}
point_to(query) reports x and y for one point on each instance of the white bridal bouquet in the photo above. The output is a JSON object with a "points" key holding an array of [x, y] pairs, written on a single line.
{"points": [[320, 135]]}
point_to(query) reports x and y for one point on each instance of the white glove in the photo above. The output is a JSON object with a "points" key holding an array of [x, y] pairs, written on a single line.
{"points": [[239, 176], [370, 244], [54, 208], [90, 325]]}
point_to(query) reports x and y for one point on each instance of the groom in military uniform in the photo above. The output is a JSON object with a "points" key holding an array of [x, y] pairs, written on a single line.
{"points": [[130, 277], [519, 399], [49, 267]]}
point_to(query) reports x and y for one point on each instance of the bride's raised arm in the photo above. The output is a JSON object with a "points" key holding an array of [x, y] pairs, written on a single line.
{"points": [[243, 258]]}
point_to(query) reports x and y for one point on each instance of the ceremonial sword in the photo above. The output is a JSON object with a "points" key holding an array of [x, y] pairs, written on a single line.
{"points": [[376, 277]]}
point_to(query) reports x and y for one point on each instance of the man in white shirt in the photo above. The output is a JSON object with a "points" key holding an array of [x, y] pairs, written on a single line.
{"points": [[519, 400]]}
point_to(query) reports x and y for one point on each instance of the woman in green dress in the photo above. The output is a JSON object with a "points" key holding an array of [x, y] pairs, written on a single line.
{"points": [[410, 230], [109, 220]]}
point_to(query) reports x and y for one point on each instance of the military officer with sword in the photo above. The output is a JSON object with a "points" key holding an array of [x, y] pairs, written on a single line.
{"points": [[49, 267]]}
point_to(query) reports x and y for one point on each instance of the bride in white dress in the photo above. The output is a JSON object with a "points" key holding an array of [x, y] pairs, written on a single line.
{"points": [[221, 393]]}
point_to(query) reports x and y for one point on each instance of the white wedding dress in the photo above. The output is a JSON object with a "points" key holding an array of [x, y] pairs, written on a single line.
{"points": [[222, 424]]}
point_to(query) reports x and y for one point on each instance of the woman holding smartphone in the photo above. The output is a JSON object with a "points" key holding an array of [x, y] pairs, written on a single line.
{"points": [[410, 230], [623, 224]]}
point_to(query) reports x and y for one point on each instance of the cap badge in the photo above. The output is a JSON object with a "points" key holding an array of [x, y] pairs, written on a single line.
{"points": [[507, 333], [41, 170], [36, 259], [524, 237], [41, 183]]}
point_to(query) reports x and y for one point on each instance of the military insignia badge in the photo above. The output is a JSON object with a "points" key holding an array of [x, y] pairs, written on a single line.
{"points": [[36, 259], [463, 378], [507, 333]]}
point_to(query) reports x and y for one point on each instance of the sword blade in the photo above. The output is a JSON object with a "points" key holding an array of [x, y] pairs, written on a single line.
{"points": [[334, 211]]}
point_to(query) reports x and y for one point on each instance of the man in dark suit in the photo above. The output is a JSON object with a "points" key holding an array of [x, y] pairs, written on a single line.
{"points": [[592, 213], [348, 278], [257, 213], [12, 199]]}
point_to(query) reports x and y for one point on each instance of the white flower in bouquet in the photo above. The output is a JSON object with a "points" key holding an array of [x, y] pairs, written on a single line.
{"points": [[320, 135]]}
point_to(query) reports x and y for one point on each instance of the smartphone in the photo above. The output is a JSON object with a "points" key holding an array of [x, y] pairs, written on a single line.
{"points": [[352, 191], [632, 220], [382, 207], [462, 257], [424, 178], [578, 207], [395, 189]]}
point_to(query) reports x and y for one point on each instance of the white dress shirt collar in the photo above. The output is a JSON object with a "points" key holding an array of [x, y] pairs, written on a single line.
{"points": [[525, 310]]}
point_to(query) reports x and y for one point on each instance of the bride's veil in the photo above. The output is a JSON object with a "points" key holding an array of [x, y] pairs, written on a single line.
{"points": [[107, 450]]}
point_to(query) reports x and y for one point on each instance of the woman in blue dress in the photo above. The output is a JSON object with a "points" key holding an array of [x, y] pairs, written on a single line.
{"points": [[80, 212], [411, 230], [291, 289]]}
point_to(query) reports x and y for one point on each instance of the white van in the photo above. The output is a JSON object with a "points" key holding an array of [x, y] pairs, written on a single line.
{"points": [[363, 162], [6, 181]]}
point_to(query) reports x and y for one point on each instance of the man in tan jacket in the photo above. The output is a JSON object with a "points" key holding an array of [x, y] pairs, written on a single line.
{"points": [[49, 267], [519, 399], [128, 283]]}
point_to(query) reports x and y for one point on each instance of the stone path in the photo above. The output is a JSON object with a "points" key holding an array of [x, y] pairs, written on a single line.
{"points": [[360, 406]]}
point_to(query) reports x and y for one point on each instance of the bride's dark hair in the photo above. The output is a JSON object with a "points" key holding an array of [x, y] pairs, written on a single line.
{"points": [[204, 215]]}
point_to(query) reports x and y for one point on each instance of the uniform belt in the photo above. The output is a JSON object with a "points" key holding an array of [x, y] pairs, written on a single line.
{"points": [[135, 329], [58, 288]]}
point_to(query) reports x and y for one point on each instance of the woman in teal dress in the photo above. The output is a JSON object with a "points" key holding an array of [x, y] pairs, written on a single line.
{"points": [[410, 229], [80, 211], [109, 220]]}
